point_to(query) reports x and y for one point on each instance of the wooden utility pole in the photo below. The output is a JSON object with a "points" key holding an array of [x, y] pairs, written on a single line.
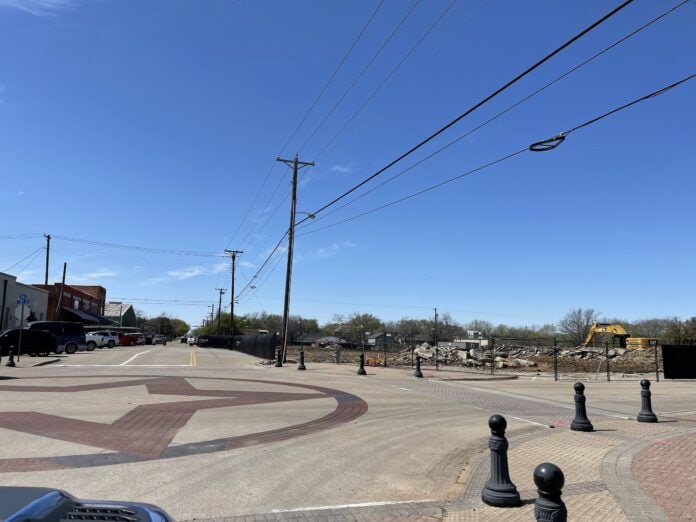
{"points": [[48, 253], [296, 164], [59, 310], [222, 291], [233, 254]]}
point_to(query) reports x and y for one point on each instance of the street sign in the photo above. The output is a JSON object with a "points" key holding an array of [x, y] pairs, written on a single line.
{"points": [[23, 299], [22, 312]]}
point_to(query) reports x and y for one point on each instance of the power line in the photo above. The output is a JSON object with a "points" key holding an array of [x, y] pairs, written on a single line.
{"points": [[333, 75], [34, 253], [30, 261], [473, 108], [297, 128], [139, 248], [360, 75], [387, 77], [505, 111], [263, 265], [539, 146]]}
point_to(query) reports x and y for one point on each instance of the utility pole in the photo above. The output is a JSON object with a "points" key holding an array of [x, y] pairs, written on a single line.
{"points": [[48, 253], [59, 310], [212, 314], [233, 254], [437, 363], [222, 291], [296, 164]]}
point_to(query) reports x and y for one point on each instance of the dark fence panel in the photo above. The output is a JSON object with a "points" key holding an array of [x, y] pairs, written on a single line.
{"points": [[260, 345], [679, 361]]}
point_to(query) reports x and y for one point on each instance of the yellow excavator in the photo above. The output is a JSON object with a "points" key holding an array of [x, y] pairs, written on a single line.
{"points": [[620, 337]]}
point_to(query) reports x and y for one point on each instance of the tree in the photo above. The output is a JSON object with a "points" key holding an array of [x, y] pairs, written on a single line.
{"points": [[577, 322], [361, 323]]}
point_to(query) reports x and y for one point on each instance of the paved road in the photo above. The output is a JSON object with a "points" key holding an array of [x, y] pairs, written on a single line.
{"points": [[209, 433]]}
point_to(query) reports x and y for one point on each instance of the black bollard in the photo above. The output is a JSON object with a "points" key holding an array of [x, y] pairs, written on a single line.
{"points": [[10, 362], [279, 359], [418, 373], [301, 366], [499, 490], [549, 481], [361, 370], [580, 422], [646, 414]]}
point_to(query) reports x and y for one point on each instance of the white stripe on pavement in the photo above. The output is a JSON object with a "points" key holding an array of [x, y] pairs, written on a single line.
{"points": [[136, 355], [345, 506]]}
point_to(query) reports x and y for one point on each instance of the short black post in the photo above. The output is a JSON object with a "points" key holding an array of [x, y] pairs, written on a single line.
{"points": [[580, 422], [606, 356], [361, 370], [418, 373], [499, 490], [301, 366], [437, 358], [555, 360], [646, 413], [279, 358], [10, 362], [549, 481]]}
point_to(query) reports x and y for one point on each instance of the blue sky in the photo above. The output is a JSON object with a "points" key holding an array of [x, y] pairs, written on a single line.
{"points": [[154, 125]]}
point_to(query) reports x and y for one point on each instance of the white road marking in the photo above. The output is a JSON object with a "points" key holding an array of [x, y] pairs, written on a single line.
{"points": [[345, 506], [407, 389], [530, 422], [136, 355]]}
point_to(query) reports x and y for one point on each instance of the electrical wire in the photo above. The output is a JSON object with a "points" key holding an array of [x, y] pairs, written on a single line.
{"points": [[264, 264], [34, 252], [360, 75], [473, 108], [539, 146], [386, 79], [505, 111], [30, 261], [138, 248], [302, 120]]}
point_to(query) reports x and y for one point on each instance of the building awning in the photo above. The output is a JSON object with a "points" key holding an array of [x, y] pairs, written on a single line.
{"points": [[80, 316]]}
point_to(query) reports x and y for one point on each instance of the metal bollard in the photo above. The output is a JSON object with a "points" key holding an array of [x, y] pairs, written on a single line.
{"points": [[646, 413], [580, 422], [279, 359], [418, 373], [337, 355], [499, 490], [10, 362], [361, 370], [301, 366], [549, 481]]}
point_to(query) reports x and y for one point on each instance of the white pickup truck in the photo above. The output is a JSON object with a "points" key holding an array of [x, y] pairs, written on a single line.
{"points": [[101, 338]]}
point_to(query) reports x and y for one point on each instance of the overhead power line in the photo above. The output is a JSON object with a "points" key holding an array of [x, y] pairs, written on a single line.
{"points": [[32, 255], [299, 125], [360, 75], [539, 146], [503, 112], [473, 108], [138, 248], [386, 79]]}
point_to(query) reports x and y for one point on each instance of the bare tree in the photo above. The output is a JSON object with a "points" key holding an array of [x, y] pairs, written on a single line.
{"points": [[576, 323]]}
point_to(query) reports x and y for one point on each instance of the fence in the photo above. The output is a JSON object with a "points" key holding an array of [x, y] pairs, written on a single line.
{"points": [[259, 345]]}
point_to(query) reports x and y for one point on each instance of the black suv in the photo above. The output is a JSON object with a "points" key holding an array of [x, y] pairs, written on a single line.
{"points": [[70, 337], [34, 342]]}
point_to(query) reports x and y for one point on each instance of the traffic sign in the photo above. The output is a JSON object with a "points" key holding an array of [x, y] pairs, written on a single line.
{"points": [[23, 299], [22, 312]]}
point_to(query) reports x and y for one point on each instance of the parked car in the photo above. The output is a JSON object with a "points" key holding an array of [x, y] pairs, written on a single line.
{"points": [[101, 338], [191, 340], [141, 338], [159, 339], [34, 342], [183, 339], [70, 337], [127, 339], [148, 338]]}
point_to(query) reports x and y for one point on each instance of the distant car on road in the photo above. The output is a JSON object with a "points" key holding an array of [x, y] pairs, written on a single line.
{"points": [[183, 339], [34, 342], [159, 339], [191, 340], [127, 339], [70, 337], [141, 339], [101, 338]]}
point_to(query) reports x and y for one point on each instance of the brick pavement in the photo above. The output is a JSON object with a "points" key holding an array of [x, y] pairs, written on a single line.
{"points": [[666, 468]]}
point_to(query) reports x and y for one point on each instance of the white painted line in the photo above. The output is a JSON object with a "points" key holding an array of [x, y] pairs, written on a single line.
{"points": [[407, 389], [117, 365], [345, 506], [136, 355], [529, 421]]}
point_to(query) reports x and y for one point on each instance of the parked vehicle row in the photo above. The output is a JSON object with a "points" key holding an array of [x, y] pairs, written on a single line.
{"points": [[45, 337]]}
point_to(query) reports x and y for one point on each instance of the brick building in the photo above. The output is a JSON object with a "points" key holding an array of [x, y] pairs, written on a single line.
{"points": [[90, 299]]}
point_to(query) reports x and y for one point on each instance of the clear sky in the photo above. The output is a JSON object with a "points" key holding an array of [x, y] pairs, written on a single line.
{"points": [[154, 124]]}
